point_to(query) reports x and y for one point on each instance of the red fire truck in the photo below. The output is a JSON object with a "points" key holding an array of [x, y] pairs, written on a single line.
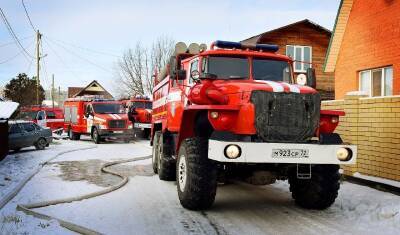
{"points": [[100, 118], [44, 116], [236, 112], [139, 113]]}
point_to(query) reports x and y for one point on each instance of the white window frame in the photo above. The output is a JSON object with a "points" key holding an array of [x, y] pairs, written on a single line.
{"points": [[191, 81], [383, 70], [302, 70]]}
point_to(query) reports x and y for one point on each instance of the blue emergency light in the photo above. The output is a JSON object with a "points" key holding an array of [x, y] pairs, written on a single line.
{"points": [[238, 45]]}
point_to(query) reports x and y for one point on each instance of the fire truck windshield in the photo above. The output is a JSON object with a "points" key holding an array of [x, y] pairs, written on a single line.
{"points": [[238, 68], [227, 67], [271, 70], [142, 105], [108, 108]]}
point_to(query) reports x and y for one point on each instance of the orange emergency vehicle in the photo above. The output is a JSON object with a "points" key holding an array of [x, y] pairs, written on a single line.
{"points": [[237, 111], [100, 118], [43, 116], [139, 113]]}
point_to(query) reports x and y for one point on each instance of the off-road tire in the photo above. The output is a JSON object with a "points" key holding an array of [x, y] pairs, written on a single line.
{"points": [[96, 136], [320, 191], [166, 165], [40, 144], [154, 158], [199, 190]]}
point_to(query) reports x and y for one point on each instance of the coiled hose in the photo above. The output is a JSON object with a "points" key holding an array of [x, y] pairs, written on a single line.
{"points": [[28, 208]]}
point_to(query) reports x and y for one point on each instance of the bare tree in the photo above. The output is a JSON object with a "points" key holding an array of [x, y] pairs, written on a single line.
{"points": [[136, 67]]}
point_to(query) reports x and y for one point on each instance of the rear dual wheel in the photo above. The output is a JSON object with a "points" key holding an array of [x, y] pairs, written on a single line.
{"points": [[163, 163], [73, 135]]}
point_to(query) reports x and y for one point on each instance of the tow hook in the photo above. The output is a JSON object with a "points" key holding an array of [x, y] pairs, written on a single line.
{"points": [[303, 171]]}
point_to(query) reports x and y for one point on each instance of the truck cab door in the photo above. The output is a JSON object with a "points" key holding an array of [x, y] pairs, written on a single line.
{"points": [[41, 118], [89, 116], [177, 100]]}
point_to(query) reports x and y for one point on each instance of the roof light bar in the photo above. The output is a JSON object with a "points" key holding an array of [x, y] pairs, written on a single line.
{"points": [[238, 45]]}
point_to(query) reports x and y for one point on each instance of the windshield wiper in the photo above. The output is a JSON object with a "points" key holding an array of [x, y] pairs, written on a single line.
{"points": [[236, 77]]}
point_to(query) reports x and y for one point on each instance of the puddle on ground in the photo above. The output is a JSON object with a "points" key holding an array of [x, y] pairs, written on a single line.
{"points": [[90, 171]]}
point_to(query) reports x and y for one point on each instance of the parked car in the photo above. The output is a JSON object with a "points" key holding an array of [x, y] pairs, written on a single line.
{"points": [[23, 134]]}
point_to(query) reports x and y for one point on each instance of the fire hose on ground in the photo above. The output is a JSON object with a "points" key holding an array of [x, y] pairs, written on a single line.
{"points": [[28, 208]]}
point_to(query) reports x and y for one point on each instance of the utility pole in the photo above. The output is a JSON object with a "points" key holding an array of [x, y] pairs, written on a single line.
{"points": [[38, 36], [52, 90]]}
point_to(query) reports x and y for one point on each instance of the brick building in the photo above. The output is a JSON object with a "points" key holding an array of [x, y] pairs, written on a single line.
{"points": [[364, 51], [364, 55], [303, 41]]}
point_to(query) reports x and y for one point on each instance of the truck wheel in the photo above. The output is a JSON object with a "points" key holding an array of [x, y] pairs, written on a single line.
{"points": [[320, 191], [154, 158], [166, 164], [73, 136], [196, 175], [40, 144], [95, 135]]}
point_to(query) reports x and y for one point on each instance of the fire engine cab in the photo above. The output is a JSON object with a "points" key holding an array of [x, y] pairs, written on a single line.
{"points": [[236, 112], [139, 113], [44, 116], [100, 118]]}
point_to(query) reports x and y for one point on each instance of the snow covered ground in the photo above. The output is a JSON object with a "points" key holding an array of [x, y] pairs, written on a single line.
{"points": [[147, 205]]}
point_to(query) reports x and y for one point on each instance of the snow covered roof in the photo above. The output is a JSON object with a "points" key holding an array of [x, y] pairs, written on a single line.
{"points": [[7, 108]]}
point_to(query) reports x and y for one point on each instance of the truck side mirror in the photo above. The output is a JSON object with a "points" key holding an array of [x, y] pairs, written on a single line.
{"points": [[311, 78], [181, 74]]}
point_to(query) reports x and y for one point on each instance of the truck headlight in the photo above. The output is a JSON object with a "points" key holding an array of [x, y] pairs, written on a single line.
{"points": [[344, 154], [103, 126], [130, 126], [232, 151]]}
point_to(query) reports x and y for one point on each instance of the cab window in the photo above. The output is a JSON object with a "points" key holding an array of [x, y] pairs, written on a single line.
{"points": [[28, 127], [194, 65], [50, 115], [41, 115]]}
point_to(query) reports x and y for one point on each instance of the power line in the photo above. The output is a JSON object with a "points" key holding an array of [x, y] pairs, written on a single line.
{"points": [[44, 67], [13, 42], [29, 66], [60, 58], [14, 56], [84, 48], [27, 15], [82, 58], [11, 31]]}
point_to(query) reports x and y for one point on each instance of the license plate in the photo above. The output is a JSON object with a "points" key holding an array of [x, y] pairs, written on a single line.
{"points": [[290, 153], [118, 132]]}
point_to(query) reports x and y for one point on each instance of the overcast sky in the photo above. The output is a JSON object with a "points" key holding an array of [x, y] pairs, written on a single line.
{"points": [[112, 26]]}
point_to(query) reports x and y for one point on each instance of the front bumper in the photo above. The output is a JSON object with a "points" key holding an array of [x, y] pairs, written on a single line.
{"points": [[119, 134], [252, 152], [142, 125]]}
